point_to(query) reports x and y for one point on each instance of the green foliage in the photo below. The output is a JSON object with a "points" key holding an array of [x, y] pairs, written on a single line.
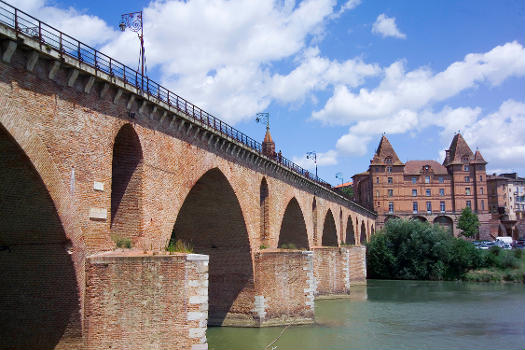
{"points": [[179, 246], [121, 242], [262, 246], [410, 249], [469, 223], [288, 246], [348, 191]]}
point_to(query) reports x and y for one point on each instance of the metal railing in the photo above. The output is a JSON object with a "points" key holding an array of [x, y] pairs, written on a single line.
{"points": [[52, 38]]}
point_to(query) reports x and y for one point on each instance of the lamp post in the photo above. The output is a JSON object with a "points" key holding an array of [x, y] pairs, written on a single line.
{"points": [[313, 155], [133, 21], [340, 177], [263, 117]]}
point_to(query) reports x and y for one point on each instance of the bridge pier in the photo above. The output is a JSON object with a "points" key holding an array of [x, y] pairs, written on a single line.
{"points": [[332, 271], [144, 301]]}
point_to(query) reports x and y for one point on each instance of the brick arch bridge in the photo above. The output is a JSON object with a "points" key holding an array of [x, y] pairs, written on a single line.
{"points": [[89, 159]]}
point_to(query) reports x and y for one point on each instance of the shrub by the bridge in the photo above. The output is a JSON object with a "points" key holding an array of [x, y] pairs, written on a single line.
{"points": [[410, 249]]}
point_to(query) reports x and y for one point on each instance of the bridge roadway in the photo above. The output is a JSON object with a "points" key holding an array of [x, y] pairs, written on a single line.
{"points": [[90, 160]]}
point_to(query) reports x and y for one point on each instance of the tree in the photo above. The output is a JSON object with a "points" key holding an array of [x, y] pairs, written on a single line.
{"points": [[348, 191], [469, 223]]}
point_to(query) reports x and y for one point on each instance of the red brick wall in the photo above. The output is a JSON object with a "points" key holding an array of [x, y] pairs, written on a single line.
{"points": [[284, 287], [357, 265], [331, 271], [138, 301]]}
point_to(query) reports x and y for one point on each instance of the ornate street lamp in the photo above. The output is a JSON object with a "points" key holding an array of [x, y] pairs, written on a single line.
{"points": [[263, 117], [313, 155], [340, 177], [133, 21]]}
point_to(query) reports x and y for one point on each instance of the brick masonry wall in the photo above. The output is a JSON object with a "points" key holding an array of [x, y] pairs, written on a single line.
{"points": [[357, 265], [331, 271], [284, 285], [139, 301]]}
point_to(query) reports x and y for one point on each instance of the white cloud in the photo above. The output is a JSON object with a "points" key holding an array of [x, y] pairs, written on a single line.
{"points": [[89, 29], [499, 135], [386, 26], [419, 88], [353, 144], [349, 5]]}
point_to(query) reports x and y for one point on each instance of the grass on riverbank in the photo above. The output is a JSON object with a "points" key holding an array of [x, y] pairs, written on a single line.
{"points": [[515, 273]]}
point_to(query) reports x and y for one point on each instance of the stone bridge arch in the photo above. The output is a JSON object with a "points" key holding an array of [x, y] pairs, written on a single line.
{"points": [[329, 230], [362, 237], [445, 222], [212, 223], [40, 299], [264, 210], [293, 227], [350, 232], [126, 185]]}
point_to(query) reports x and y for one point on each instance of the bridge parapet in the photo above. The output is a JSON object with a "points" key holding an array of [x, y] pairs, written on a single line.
{"points": [[143, 97]]}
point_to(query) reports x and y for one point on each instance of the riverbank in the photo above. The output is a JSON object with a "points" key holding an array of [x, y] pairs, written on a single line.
{"points": [[514, 274]]}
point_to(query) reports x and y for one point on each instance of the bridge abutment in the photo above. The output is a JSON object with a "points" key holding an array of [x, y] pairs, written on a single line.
{"points": [[144, 301], [332, 271]]}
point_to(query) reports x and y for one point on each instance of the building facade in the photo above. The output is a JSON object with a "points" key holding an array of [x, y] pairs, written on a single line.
{"points": [[506, 195], [424, 189]]}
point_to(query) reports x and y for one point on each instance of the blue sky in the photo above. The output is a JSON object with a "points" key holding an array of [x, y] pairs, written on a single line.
{"points": [[334, 75]]}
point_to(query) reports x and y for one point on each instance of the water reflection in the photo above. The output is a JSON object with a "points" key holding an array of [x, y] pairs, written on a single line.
{"points": [[401, 315]]}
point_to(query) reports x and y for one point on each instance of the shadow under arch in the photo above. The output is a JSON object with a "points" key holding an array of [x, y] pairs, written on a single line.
{"points": [[264, 205], [126, 183], [293, 227], [329, 230], [362, 238], [211, 220], [39, 296], [420, 218], [350, 234]]}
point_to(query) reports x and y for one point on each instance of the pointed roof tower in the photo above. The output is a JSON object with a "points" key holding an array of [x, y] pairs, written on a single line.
{"points": [[458, 151], [478, 158], [385, 154], [268, 146]]}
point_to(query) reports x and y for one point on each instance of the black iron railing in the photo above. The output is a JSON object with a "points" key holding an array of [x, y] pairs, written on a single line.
{"points": [[52, 38]]}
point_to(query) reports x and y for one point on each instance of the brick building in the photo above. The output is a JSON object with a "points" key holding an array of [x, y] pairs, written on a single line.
{"points": [[506, 196], [425, 189]]}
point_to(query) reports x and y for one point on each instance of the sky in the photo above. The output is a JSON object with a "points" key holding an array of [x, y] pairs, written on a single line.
{"points": [[333, 75]]}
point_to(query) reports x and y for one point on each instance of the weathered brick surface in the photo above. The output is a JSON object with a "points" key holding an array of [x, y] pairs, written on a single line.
{"points": [[331, 270], [138, 301], [85, 183], [284, 287], [357, 265]]}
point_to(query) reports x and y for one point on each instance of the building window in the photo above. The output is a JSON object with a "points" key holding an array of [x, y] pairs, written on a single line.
{"points": [[414, 207], [390, 180], [414, 193], [441, 191], [429, 207], [482, 204], [390, 193], [377, 180], [467, 191], [390, 207], [377, 193], [441, 179], [414, 179], [427, 179], [469, 205], [467, 178], [388, 169], [481, 189], [481, 178], [428, 192], [388, 160], [465, 167], [442, 206]]}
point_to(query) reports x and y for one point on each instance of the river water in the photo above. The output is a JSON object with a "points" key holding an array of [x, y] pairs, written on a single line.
{"points": [[400, 315]]}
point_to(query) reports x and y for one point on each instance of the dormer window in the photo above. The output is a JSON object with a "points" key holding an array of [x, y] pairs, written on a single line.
{"points": [[426, 167], [388, 160], [464, 159]]}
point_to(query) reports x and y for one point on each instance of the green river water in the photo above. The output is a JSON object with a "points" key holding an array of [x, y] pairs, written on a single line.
{"points": [[400, 315]]}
